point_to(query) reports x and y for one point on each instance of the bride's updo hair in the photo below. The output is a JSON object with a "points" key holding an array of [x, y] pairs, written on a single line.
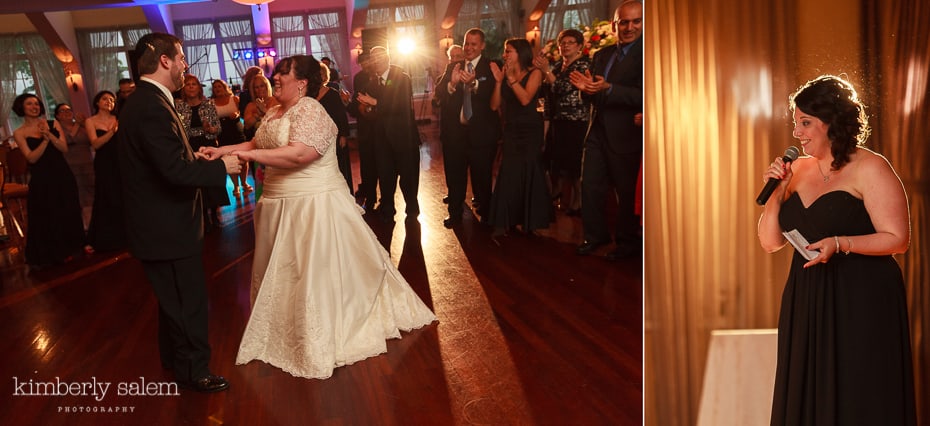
{"points": [[305, 68], [835, 102]]}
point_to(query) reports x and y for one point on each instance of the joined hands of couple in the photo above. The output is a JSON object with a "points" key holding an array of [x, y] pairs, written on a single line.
{"points": [[232, 159]]}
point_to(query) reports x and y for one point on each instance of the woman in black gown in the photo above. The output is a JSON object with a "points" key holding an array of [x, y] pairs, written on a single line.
{"points": [[55, 229], [844, 352], [107, 229], [332, 102], [521, 193]]}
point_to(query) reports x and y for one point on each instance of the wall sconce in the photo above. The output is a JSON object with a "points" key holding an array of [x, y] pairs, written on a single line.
{"points": [[445, 43], [72, 81], [533, 36], [357, 50]]}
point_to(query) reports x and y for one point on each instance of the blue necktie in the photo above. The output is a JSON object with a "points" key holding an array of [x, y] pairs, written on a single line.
{"points": [[466, 101], [616, 57]]}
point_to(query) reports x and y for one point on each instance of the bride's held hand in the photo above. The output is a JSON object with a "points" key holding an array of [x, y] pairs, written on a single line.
{"points": [[209, 152]]}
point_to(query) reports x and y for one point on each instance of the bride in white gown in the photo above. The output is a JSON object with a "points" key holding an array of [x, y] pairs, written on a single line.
{"points": [[324, 291]]}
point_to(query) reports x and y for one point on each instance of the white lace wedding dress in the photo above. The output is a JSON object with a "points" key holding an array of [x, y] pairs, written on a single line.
{"points": [[324, 291]]}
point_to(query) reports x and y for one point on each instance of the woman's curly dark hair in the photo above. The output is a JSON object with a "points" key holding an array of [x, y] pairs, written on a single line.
{"points": [[835, 102]]}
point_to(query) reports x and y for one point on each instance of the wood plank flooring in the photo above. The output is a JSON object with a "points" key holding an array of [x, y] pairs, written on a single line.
{"points": [[528, 333]]}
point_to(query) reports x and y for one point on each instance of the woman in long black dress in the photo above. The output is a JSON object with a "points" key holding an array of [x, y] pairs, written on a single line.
{"points": [[107, 229], [332, 102], [198, 113], [844, 352], [521, 194], [55, 230]]}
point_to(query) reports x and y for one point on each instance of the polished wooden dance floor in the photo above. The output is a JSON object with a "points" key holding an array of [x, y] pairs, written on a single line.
{"points": [[528, 333]]}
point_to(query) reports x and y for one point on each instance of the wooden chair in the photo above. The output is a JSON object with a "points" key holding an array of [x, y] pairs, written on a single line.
{"points": [[13, 170]]}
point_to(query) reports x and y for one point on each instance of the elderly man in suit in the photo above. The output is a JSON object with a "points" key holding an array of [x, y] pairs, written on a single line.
{"points": [[367, 191], [614, 144], [161, 187], [464, 91], [397, 149]]}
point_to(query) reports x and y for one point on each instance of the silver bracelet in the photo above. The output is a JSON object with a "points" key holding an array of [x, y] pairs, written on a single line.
{"points": [[837, 241]]}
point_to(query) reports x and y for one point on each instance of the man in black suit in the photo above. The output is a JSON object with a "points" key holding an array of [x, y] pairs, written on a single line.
{"points": [[614, 145], [397, 146], [464, 91], [367, 191], [163, 206]]}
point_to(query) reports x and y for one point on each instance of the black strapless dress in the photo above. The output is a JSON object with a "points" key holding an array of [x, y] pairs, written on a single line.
{"points": [[107, 230], [55, 229], [844, 354]]}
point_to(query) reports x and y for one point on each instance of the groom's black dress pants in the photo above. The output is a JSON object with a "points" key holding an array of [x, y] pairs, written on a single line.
{"points": [[181, 290]]}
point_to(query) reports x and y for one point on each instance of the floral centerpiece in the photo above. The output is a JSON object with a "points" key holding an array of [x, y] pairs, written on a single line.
{"points": [[596, 37]]}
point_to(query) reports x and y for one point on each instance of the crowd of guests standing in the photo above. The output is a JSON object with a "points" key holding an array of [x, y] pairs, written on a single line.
{"points": [[570, 154], [592, 147]]}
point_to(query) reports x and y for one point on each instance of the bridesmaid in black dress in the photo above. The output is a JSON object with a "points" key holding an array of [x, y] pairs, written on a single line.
{"points": [[332, 102], [107, 229], [55, 229], [521, 193], [844, 354]]}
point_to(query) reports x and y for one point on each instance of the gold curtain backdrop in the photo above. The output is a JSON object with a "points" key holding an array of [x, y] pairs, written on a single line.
{"points": [[718, 75]]}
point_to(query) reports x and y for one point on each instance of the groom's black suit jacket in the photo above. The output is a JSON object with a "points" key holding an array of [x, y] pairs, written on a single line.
{"points": [[161, 178]]}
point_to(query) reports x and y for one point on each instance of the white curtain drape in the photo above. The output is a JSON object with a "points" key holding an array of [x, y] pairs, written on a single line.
{"points": [[7, 79], [100, 60], [48, 69], [233, 30], [334, 40], [553, 21]]}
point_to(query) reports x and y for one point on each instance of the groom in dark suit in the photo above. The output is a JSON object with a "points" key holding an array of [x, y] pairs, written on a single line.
{"points": [[614, 145], [464, 91], [161, 181]]}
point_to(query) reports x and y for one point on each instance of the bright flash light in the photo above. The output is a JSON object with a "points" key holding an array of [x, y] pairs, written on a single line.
{"points": [[405, 46]]}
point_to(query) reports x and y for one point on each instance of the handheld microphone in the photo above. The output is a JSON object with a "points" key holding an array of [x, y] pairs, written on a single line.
{"points": [[791, 154]]}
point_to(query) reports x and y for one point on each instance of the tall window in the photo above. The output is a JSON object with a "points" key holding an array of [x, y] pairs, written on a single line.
{"points": [[410, 39], [321, 34], [210, 47], [497, 18], [16, 77], [565, 14], [105, 57]]}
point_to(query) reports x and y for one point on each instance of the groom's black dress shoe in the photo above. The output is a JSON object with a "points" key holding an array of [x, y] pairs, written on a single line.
{"points": [[206, 384]]}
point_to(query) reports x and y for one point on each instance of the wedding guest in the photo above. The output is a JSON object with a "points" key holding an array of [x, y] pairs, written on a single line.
{"points": [[568, 113], [227, 109], [398, 147], [79, 156], [198, 113], [521, 193], [107, 226], [332, 102], [614, 145], [55, 230]]}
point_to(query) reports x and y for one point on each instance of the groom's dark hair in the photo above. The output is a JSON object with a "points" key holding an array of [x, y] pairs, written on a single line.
{"points": [[149, 49]]}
